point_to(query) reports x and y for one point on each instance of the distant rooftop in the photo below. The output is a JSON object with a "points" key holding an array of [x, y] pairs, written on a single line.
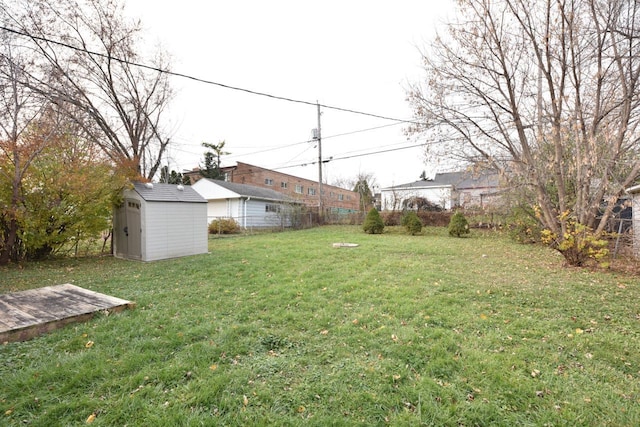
{"points": [[459, 180], [252, 191]]}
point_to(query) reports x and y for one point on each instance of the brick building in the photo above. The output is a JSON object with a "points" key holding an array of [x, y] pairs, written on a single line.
{"points": [[335, 200]]}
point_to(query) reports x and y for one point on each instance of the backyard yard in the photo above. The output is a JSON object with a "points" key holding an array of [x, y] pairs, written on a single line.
{"points": [[285, 329]]}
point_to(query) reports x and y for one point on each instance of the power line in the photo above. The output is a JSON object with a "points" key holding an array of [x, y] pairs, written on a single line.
{"points": [[333, 159], [201, 80]]}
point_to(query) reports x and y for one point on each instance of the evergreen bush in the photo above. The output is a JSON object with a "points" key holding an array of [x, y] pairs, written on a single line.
{"points": [[458, 225], [412, 223], [373, 223]]}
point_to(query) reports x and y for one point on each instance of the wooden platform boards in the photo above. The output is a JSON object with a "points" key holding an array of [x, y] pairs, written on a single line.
{"points": [[26, 314]]}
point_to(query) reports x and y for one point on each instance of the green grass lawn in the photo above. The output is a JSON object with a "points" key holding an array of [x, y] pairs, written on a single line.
{"points": [[284, 329]]}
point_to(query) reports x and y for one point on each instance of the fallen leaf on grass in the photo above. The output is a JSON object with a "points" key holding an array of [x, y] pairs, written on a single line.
{"points": [[91, 418], [324, 332], [245, 400], [89, 344], [579, 331], [213, 367]]}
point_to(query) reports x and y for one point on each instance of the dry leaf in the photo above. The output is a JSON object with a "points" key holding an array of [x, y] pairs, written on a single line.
{"points": [[91, 418], [213, 367], [324, 332], [301, 409], [89, 344], [245, 400], [579, 331]]}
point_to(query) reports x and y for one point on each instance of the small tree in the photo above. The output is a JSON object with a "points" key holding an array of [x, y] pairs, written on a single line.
{"points": [[412, 223], [211, 167], [458, 225], [373, 223]]}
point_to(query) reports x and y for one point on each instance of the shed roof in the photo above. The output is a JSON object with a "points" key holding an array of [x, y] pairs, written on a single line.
{"points": [[159, 192]]}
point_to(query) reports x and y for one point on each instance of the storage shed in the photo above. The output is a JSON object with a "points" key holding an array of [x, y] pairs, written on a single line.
{"points": [[248, 205], [635, 216], [158, 221]]}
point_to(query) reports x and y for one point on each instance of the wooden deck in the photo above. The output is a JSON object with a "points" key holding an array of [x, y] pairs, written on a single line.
{"points": [[26, 314]]}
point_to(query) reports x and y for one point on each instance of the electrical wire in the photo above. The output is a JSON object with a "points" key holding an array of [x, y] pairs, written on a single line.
{"points": [[333, 159], [200, 80]]}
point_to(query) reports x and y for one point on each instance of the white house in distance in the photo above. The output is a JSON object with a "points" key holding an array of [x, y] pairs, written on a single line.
{"points": [[248, 205], [158, 221], [447, 190]]}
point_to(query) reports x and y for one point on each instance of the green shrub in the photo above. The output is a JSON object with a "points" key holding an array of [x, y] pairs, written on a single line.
{"points": [[224, 226], [579, 245], [458, 225], [373, 222], [523, 225], [411, 222]]}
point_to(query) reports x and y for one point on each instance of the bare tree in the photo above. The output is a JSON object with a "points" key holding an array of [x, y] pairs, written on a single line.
{"points": [[20, 108], [95, 60], [546, 93]]}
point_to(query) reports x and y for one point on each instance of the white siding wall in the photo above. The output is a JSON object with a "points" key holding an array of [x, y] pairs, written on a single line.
{"points": [[257, 216], [636, 224], [218, 209], [173, 229]]}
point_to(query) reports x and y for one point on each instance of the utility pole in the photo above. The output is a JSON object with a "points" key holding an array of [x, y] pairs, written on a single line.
{"points": [[319, 139]]}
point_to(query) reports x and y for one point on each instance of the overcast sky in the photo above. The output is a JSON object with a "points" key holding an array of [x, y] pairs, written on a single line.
{"points": [[351, 54]]}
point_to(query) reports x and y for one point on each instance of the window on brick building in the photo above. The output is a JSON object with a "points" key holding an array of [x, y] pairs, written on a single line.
{"points": [[312, 191], [283, 185], [299, 188], [340, 196], [268, 181]]}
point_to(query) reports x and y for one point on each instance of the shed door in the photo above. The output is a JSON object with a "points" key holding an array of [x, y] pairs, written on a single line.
{"points": [[133, 230]]}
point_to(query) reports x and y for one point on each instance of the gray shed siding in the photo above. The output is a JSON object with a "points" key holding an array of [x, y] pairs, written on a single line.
{"points": [[173, 230]]}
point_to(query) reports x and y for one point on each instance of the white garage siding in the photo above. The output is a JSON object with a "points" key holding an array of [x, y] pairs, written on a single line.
{"points": [[249, 206]]}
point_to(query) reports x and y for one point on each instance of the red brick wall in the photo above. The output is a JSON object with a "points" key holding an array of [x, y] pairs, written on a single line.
{"points": [[245, 173]]}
